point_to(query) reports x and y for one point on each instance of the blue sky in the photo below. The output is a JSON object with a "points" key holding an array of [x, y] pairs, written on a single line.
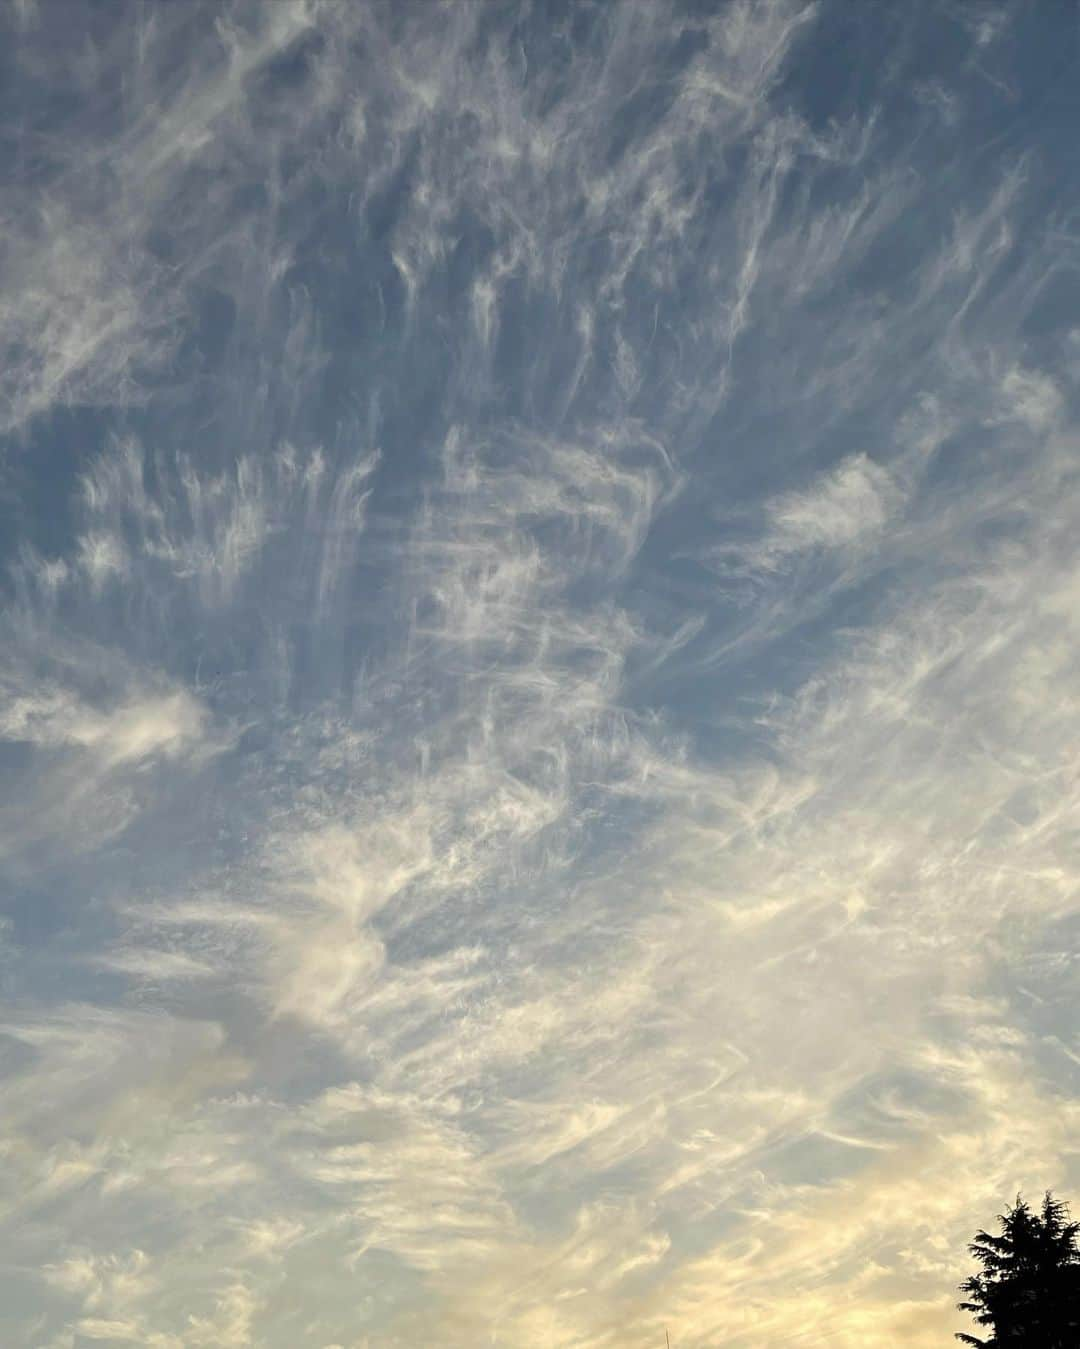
{"points": [[539, 796]]}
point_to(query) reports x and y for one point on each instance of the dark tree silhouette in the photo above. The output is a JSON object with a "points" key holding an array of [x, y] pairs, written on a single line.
{"points": [[1028, 1292]]}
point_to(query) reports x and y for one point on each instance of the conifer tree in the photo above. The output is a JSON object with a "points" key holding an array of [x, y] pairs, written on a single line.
{"points": [[1028, 1291]]}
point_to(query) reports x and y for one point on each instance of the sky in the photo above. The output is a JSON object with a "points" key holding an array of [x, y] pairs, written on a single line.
{"points": [[540, 587]]}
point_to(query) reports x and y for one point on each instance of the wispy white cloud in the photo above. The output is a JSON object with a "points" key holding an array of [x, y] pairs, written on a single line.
{"points": [[845, 510], [167, 724], [537, 673]]}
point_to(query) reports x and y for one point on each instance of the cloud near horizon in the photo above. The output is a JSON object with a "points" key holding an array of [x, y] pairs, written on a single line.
{"points": [[538, 668]]}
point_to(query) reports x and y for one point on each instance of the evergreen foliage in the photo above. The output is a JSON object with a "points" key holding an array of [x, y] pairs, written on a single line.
{"points": [[1028, 1291]]}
